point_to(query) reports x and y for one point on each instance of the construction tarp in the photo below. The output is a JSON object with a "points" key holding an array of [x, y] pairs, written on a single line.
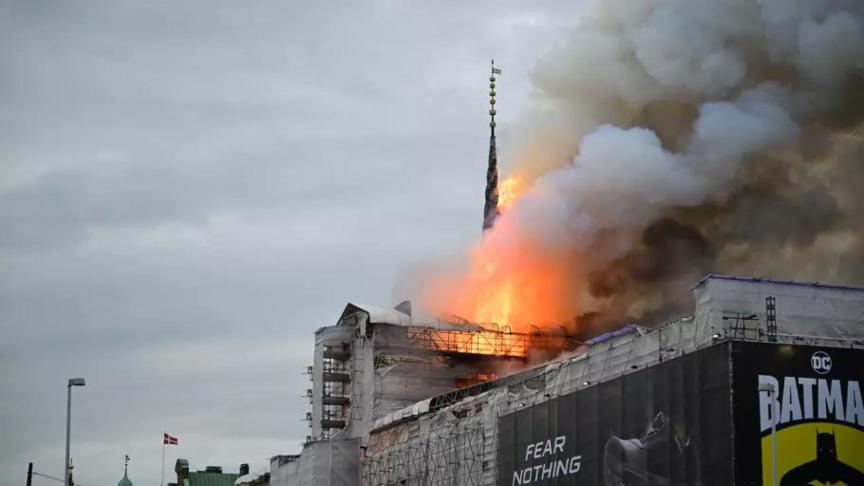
{"points": [[459, 444], [323, 463], [736, 307]]}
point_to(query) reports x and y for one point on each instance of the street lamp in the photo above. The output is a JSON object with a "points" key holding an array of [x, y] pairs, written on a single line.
{"points": [[772, 390], [66, 467]]}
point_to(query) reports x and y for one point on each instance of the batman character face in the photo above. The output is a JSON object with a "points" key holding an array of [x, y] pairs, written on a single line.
{"points": [[825, 469], [826, 446]]}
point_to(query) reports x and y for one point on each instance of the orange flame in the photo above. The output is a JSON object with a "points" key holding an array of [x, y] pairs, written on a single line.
{"points": [[511, 280], [509, 191]]}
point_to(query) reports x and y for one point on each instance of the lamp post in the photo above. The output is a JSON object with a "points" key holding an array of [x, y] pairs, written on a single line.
{"points": [[772, 390], [66, 466]]}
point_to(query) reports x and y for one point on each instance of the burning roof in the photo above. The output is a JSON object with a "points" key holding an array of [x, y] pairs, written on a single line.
{"points": [[665, 145]]}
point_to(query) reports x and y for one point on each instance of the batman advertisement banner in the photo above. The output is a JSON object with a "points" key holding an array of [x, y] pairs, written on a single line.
{"points": [[813, 399], [669, 425]]}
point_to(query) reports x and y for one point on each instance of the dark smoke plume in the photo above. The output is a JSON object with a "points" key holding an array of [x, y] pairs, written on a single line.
{"points": [[673, 138]]}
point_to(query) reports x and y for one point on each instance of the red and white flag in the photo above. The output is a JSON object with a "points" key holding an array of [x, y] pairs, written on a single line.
{"points": [[169, 439]]}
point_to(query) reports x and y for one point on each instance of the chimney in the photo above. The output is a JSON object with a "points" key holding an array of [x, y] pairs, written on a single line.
{"points": [[244, 469]]}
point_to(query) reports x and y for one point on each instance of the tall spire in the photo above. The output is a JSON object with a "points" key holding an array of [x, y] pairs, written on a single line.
{"points": [[490, 209], [125, 481]]}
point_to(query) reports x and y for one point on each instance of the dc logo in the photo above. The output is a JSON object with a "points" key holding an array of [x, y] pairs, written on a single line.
{"points": [[821, 362]]}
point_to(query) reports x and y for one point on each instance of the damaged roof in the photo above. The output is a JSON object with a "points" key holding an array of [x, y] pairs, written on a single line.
{"points": [[373, 314]]}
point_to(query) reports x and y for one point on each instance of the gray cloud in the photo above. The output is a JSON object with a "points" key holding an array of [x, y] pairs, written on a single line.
{"points": [[188, 190]]}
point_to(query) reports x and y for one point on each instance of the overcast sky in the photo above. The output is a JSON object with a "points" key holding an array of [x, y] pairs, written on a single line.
{"points": [[189, 189]]}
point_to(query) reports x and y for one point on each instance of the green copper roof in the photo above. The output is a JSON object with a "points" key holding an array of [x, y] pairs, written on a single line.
{"points": [[202, 478], [125, 481]]}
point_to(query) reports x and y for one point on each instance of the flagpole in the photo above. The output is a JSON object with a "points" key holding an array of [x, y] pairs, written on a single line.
{"points": [[163, 460]]}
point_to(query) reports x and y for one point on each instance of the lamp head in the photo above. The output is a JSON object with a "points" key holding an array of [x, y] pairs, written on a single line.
{"points": [[76, 382]]}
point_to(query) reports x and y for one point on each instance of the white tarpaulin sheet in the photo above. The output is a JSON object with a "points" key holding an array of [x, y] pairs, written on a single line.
{"points": [[325, 463]]}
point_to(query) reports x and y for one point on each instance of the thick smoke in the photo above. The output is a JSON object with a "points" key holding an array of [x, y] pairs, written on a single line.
{"points": [[673, 138]]}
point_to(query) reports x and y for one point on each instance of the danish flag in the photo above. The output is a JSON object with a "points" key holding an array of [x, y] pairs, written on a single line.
{"points": [[169, 439]]}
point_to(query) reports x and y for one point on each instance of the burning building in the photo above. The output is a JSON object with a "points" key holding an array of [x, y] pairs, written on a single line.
{"points": [[694, 401], [375, 362], [671, 141], [760, 369]]}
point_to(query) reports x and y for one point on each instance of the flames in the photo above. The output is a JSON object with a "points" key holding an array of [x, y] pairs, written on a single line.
{"points": [[511, 281], [495, 302], [509, 190], [627, 190]]}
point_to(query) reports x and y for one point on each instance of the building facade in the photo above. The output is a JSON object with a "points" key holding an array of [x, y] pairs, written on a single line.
{"points": [[689, 402], [377, 361]]}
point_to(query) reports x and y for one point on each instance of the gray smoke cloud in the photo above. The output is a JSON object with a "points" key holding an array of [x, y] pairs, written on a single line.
{"points": [[672, 138]]}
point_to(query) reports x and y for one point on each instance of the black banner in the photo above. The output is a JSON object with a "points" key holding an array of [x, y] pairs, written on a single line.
{"points": [[815, 404], [666, 425]]}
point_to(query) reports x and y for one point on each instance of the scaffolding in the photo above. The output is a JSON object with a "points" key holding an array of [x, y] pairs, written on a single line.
{"points": [[740, 325], [501, 344], [454, 456], [452, 438], [771, 318], [335, 395], [365, 372]]}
